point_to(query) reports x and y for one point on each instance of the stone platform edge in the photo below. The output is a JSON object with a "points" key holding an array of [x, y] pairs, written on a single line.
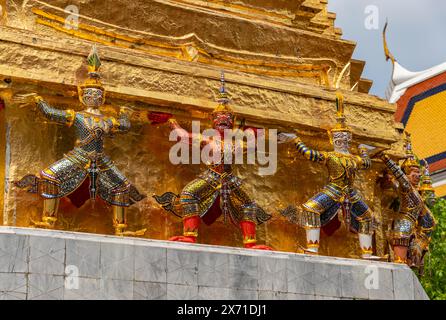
{"points": [[51, 264]]}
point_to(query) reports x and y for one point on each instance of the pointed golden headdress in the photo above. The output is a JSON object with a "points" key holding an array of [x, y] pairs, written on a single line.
{"points": [[93, 65], [223, 100], [340, 126], [426, 181], [411, 160]]}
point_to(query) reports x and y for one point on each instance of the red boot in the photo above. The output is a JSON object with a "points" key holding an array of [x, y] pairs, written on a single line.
{"points": [[190, 230], [249, 236]]}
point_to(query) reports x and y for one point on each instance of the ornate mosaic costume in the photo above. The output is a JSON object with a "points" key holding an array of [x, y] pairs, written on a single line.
{"points": [[427, 192], [339, 192], [216, 191], [87, 160], [322, 209], [415, 223]]}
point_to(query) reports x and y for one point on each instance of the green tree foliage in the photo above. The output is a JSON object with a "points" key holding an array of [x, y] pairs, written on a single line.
{"points": [[434, 278]]}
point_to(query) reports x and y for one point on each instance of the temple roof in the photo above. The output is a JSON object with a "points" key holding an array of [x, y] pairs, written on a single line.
{"points": [[402, 79]]}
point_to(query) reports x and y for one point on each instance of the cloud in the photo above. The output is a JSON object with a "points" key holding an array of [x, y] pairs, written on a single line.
{"points": [[415, 35]]}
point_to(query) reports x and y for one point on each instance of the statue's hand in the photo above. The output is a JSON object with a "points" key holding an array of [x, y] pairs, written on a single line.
{"points": [[159, 117], [26, 99], [126, 110], [283, 137], [417, 250], [378, 153]]}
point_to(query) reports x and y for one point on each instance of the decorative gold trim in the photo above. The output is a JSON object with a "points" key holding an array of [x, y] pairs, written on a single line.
{"points": [[249, 239], [71, 116], [368, 250], [400, 260], [181, 51], [250, 12], [49, 219], [190, 234]]}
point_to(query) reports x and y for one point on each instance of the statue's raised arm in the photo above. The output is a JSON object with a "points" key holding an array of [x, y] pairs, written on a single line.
{"points": [[60, 116], [65, 117]]}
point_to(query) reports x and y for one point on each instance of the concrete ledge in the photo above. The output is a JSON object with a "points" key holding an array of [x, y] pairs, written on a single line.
{"points": [[42, 264]]}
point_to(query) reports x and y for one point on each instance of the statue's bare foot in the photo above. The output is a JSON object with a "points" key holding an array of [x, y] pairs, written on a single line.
{"points": [[137, 233], [45, 224], [373, 258], [183, 239], [309, 251], [261, 247]]}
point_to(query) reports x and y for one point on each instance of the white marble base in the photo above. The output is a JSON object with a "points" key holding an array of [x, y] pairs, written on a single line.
{"points": [[43, 264]]}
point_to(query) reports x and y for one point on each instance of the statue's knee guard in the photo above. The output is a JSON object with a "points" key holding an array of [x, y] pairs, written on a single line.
{"points": [[249, 212], [191, 215], [310, 220], [119, 215], [366, 227], [50, 209], [49, 189], [120, 196], [189, 205]]}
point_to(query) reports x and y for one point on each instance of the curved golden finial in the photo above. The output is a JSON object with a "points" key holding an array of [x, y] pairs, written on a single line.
{"points": [[387, 52]]}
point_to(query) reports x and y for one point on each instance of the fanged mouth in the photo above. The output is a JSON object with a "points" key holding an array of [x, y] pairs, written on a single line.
{"points": [[223, 125]]}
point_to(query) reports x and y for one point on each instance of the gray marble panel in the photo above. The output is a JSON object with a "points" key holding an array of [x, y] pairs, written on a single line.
{"points": [[181, 292], [13, 286], [113, 289], [86, 289], [242, 294], [356, 281], [317, 297], [45, 287], [327, 280], [403, 284], [383, 290], [272, 274], [213, 269], [149, 291], [243, 272], [47, 256], [299, 296], [273, 295], [300, 276], [85, 255], [419, 293], [182, 267], [117, 261], [209, 293], [14, 252], [150, 264]]}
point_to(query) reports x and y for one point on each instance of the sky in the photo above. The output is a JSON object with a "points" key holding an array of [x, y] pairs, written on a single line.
{"points": [[416, 34]]}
